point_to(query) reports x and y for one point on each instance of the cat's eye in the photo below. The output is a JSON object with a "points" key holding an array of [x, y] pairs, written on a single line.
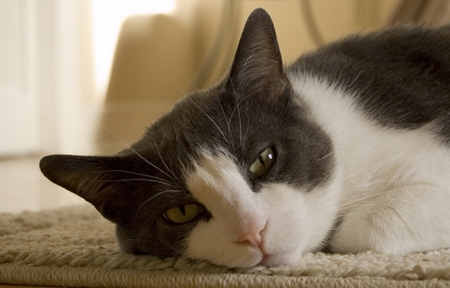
{"points": [[184, 213], [263, 163]]}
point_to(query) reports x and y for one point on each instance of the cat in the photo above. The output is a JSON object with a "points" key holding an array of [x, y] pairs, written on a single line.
{"points": [[345, 150]]}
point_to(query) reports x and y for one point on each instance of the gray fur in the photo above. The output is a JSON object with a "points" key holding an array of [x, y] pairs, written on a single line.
{"points": [[400, 77]]}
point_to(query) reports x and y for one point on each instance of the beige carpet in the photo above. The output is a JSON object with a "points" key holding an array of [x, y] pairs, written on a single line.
{"points": [[76, 247]]}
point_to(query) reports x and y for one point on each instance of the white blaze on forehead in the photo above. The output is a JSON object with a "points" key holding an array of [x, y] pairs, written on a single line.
{"points": [[218, 184]]}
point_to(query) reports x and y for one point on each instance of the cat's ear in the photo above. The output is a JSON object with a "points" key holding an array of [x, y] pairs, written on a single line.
{"points": [[257, 64], [90, 177]]}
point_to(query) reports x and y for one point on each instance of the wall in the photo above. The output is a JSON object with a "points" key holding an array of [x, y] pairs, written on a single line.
{"points": [[160, 59]]}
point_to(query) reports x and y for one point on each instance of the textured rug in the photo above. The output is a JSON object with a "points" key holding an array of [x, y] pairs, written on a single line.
{"points": [[76, 247]]}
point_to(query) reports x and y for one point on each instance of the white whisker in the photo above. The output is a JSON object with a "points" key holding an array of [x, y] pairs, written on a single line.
{"points": [[239, 113], [209, 117], [135, 152], [141, 179], [154, 196], [161, 180]]}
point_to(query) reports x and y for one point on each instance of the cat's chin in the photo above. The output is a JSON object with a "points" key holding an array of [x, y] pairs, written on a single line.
{"points": [[267, 260], [271, 261]]}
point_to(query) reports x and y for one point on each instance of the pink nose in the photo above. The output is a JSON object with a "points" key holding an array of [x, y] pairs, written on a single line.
{"points": [[253, 238]]}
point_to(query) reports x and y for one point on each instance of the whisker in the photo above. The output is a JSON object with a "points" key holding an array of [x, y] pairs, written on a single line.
{"points": [[141, 179], [135, 152], [209, 117], [162, 160], [154, 196], [174, 177], [244, 140], [237, 108], [352, 203], [239, 112], [157, 179], [228, 121], [132, 173]]}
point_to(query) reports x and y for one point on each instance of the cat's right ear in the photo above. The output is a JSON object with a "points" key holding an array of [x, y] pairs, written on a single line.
{"points": [[90, 177], [257, 64]]}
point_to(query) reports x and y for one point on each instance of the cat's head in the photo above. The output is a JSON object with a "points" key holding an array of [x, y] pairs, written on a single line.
{"points": [[238, 175]]}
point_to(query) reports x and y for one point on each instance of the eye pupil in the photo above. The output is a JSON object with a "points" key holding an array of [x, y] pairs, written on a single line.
{"points": [[261, 160], [263, 163], [184, 213]]}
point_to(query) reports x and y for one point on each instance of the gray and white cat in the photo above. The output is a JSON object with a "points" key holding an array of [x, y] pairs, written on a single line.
{"points": [[347, 149]]}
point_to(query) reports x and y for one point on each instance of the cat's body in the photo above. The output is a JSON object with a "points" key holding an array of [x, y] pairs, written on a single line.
{"points": [[346, 149]]}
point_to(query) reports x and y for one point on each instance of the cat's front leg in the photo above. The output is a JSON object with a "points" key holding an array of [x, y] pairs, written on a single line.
{"points": [[397, 220]]}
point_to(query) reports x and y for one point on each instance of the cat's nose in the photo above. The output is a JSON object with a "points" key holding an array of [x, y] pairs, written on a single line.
{"points": [[253, 238]]}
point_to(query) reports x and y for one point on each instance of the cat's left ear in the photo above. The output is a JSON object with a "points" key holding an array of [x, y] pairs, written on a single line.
{"points": [[257, 65], [90, 177]]}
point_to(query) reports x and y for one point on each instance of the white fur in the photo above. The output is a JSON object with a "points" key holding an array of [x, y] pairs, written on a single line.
{"points": [[390, 188], [396, 183], [287, 219]]}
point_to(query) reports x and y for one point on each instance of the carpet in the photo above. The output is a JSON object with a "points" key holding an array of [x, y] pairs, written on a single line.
{"points": [[76, 247]]}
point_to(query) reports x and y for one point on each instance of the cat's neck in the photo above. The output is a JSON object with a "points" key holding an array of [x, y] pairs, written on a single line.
{"points": [[363, 148]]}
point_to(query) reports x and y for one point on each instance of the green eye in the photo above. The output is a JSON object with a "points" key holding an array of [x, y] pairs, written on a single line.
{"points": [[263, 163], [183, 213]]}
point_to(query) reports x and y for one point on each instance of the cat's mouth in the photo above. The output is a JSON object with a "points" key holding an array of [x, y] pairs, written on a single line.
{"points": [[276, 259], [270, 260], [266, 260]]}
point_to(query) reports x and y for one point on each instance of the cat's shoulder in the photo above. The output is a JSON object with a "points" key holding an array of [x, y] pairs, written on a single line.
{"points": [[392, 45], [400, 77]]}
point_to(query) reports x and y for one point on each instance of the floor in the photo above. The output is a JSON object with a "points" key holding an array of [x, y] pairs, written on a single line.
{"points": [[23, 187]]}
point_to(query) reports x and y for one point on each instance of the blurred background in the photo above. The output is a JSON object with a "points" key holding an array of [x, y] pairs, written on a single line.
{"points": [[87, 76]]}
